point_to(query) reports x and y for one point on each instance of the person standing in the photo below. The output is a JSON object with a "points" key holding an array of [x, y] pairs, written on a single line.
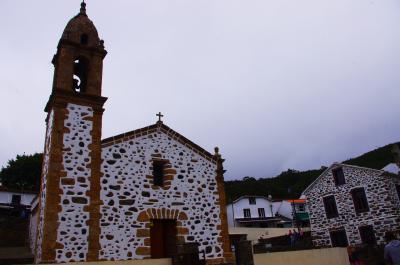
{"points": [[392, 249]]}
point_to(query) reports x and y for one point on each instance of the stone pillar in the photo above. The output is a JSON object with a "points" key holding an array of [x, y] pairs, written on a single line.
{"points": [[228, 255]]}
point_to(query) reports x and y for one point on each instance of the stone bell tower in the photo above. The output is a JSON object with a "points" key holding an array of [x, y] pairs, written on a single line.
{"points": [[69, 210]]}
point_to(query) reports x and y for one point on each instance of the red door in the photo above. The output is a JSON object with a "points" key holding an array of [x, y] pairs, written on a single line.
{"points": [[162, 238]]}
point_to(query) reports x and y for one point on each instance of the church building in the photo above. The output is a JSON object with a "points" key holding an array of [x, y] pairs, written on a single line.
{"points": [[136, 195]]}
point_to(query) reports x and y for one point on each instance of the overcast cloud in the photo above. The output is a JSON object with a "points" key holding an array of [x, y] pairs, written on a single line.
{"points": [[275, 84]]}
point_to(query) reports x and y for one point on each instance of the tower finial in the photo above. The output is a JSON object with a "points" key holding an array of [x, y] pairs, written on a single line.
{"points": [[83, 7]]}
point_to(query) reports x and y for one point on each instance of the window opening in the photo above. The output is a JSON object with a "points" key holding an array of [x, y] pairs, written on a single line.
{"points": [[367, 235], [398, 191], [330, 207], [338, 176], [261, 212], [360, 200], [80, 74], [158, 172], [84, 39], [16, 199], [252, 200], [339, 238], [246, 213]]}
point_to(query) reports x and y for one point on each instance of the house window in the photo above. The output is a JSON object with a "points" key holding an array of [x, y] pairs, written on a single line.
{"points": [[158, 172], [246, 213], [339, 238], [367, 235], [360, 200], [261, 212], [338, 176], [252, 200], [16, 199], [398, 191], [330, 207]]}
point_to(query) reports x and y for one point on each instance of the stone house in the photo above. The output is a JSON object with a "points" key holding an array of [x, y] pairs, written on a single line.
{"points": [[353, 205], [136, 195]]}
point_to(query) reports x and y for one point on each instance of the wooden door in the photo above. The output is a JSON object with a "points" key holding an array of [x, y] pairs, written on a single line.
{"points": [[163, 238]]}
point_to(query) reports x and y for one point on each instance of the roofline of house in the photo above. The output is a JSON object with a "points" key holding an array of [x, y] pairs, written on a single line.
{"points": [[266, 198], [342, 165], [14, 190], [250, 196]]}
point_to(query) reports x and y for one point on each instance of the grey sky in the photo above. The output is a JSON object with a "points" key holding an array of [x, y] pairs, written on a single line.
{"points": [[275, 84]]}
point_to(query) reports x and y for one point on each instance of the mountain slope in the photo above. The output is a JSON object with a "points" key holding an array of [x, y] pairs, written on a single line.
{"points": [[291, 183]]}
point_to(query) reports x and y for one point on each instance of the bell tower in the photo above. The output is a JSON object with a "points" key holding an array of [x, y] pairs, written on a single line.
{"points": [[69, 209]]}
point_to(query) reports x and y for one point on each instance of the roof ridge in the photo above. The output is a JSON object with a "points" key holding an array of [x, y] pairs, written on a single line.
{"points": [[154, 128], [337, 164]]}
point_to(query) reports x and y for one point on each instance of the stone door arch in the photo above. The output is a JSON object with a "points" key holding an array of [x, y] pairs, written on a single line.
{"points": [[148, 215]]}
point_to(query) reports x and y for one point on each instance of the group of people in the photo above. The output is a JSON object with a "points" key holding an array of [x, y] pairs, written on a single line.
{"points": [[392, 249], [295, 235], [391, 252]]}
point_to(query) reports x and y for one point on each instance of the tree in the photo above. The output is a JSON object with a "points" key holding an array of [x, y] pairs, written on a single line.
{"points": [[23, 172]]}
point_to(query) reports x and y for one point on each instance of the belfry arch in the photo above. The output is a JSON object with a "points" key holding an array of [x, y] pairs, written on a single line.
{"points": [[80, 75]]}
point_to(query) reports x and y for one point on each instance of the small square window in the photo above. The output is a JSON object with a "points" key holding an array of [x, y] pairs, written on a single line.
{"points": [[158, 172], [367, 235], [252, 200], [360, 200], [246, 213], [338, 176], [330, 207]]}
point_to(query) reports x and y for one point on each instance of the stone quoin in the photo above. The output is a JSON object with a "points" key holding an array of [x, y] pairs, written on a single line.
{"points": [[104, 199]]}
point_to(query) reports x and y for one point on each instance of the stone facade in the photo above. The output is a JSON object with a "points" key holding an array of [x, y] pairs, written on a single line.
{"points": [[98, 199], [382, 198], [73, 230], [131, 200]]}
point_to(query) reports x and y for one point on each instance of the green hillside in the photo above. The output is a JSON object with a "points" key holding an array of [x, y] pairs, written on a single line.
{"points": [[291, 183]]}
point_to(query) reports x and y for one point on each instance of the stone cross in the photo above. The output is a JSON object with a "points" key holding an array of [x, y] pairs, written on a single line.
{"points": [[159, 115]]}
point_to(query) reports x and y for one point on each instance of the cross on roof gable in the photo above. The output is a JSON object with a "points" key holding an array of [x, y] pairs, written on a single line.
{"points": [[157, 127]]}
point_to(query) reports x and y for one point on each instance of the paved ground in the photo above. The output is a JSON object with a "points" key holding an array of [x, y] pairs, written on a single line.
{"points": [[15, 255]]}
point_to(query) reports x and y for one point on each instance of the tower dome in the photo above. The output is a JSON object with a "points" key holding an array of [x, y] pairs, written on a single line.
{"points": [[81, 30]]}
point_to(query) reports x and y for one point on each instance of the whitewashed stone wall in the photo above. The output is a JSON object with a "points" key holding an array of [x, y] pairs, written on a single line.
{"points": [[33, 226], [73, 231], [125, 192], [382, 199], [42, 205]]}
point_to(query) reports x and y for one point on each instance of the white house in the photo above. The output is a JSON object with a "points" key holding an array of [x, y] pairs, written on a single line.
{"points": [[13, 198], [259, 211]]}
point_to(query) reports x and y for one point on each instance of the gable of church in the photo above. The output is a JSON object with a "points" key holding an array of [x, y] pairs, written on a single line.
{"points": [[132, 201]]}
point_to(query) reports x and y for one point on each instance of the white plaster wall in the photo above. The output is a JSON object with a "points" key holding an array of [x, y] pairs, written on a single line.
{"points": [[125, 166], [6, 196], [42, 204], [229, 214], [73, 230], [33, 225], [285, 209]]}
